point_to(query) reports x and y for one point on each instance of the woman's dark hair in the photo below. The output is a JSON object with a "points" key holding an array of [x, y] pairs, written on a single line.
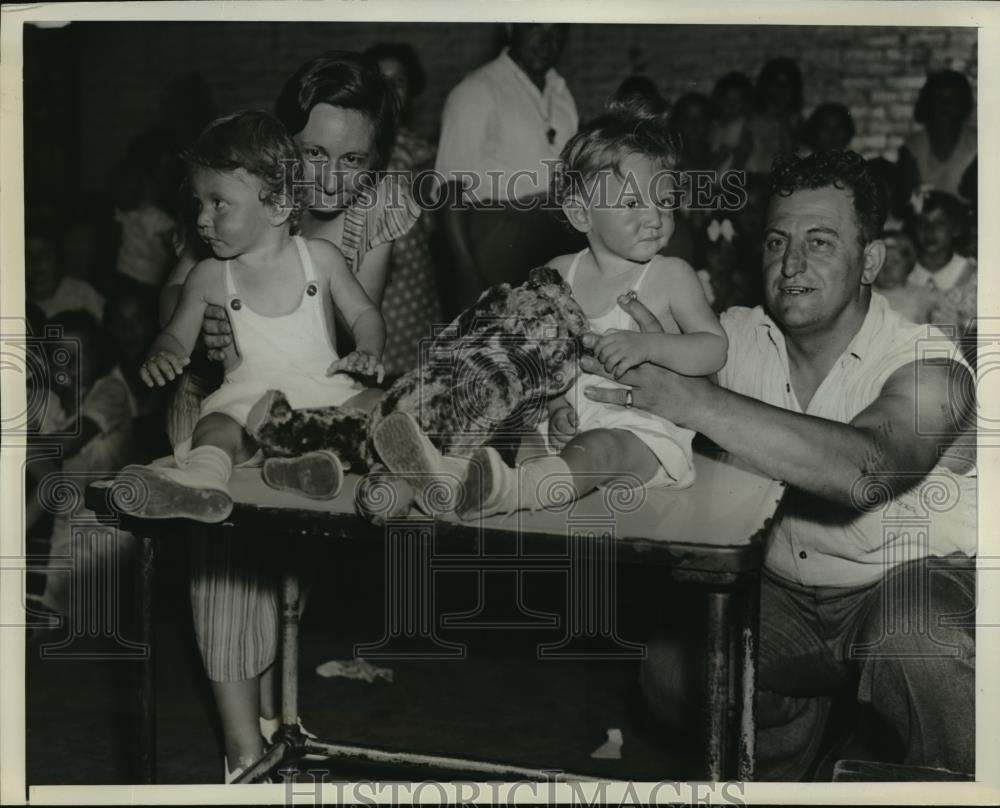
{"points": [[255, 141], [348, 80], [407, 57], [886, 172], [732, 81], [770, 71], [950, 206], [685, 102], [843, 169], [943, 80], [631, 126], [810, 131], [638, 86]]}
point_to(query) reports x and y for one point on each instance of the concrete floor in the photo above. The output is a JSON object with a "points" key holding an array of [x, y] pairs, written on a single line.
{"points": [[498, 702]]}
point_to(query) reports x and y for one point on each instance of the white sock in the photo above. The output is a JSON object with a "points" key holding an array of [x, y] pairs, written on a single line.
{"points": [[205, 467], [544, 482], [232, 775], [533, 484]]}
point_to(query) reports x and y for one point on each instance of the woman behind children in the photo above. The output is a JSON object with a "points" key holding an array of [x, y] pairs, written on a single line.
{"points": [[614, 187], [281, 291]]}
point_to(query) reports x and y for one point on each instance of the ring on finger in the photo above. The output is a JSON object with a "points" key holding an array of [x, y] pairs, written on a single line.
{"points": [[628, 397]]}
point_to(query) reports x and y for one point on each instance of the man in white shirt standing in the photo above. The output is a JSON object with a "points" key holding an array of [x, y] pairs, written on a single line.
{"points": [[502, 130]]}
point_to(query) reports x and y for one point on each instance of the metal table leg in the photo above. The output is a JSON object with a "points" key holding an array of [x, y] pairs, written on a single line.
{"points": [[291, 744], [718, 656], [145, 759], [749, 624]]}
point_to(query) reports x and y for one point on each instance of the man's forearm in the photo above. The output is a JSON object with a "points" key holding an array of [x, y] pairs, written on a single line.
{"points": [[822, 457]]}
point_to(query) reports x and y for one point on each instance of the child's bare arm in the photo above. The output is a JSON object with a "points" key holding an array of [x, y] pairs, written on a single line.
{"points": [[357, 309], [172, 347], [699, 350], [173, 288]]}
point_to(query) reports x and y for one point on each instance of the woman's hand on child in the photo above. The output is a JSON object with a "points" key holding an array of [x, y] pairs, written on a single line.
{"points": [[162, 368], [620, 351], [216, 332], [360, 362]]}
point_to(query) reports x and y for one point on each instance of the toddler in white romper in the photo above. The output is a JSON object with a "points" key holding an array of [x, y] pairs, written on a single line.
{"points": [[611, 188], [257, 266], [670, 443], [289, 352]]}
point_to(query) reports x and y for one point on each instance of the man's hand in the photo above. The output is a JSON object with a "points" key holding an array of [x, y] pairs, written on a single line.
{"points": [[654, 388], [360, 363], [562, 424], [216, 332], [161, 368]]}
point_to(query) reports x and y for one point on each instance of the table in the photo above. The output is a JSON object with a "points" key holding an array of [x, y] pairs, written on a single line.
{"points": [[709, 534]]}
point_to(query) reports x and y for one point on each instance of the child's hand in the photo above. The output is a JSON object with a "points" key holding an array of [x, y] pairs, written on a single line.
{"points": [[620, 351], [562, 425], [359, 362], [161, 368]]}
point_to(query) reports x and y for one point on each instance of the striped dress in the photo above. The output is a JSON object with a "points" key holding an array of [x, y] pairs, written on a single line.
{"points": [[411, 304], [234, 583]]}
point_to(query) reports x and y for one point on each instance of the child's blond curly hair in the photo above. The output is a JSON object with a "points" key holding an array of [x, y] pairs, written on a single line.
{"points": [[631, 125]]}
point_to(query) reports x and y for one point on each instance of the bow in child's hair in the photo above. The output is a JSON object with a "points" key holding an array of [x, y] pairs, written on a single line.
{"points": [[917, 199], [723, 229]]}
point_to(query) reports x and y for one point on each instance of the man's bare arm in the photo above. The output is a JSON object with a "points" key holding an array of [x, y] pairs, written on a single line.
{"points": [[826, 458]]}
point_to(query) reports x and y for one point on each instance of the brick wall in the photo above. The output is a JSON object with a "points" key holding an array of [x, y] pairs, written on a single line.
{"points": [[118, 70]]}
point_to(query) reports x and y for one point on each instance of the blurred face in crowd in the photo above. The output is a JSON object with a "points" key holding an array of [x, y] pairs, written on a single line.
{"points": [[814, 264], [945, 105], [781, 92], [338, 149], [936, 232], [832, 133], [693, 122], [537, 47], [131, 327], [631, 215], [733, 103], [42, 270], [900, 258], [395, 71]]}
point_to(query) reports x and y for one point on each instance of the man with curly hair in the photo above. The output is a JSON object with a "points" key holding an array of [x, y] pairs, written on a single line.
{"points": [[867, 580]]}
